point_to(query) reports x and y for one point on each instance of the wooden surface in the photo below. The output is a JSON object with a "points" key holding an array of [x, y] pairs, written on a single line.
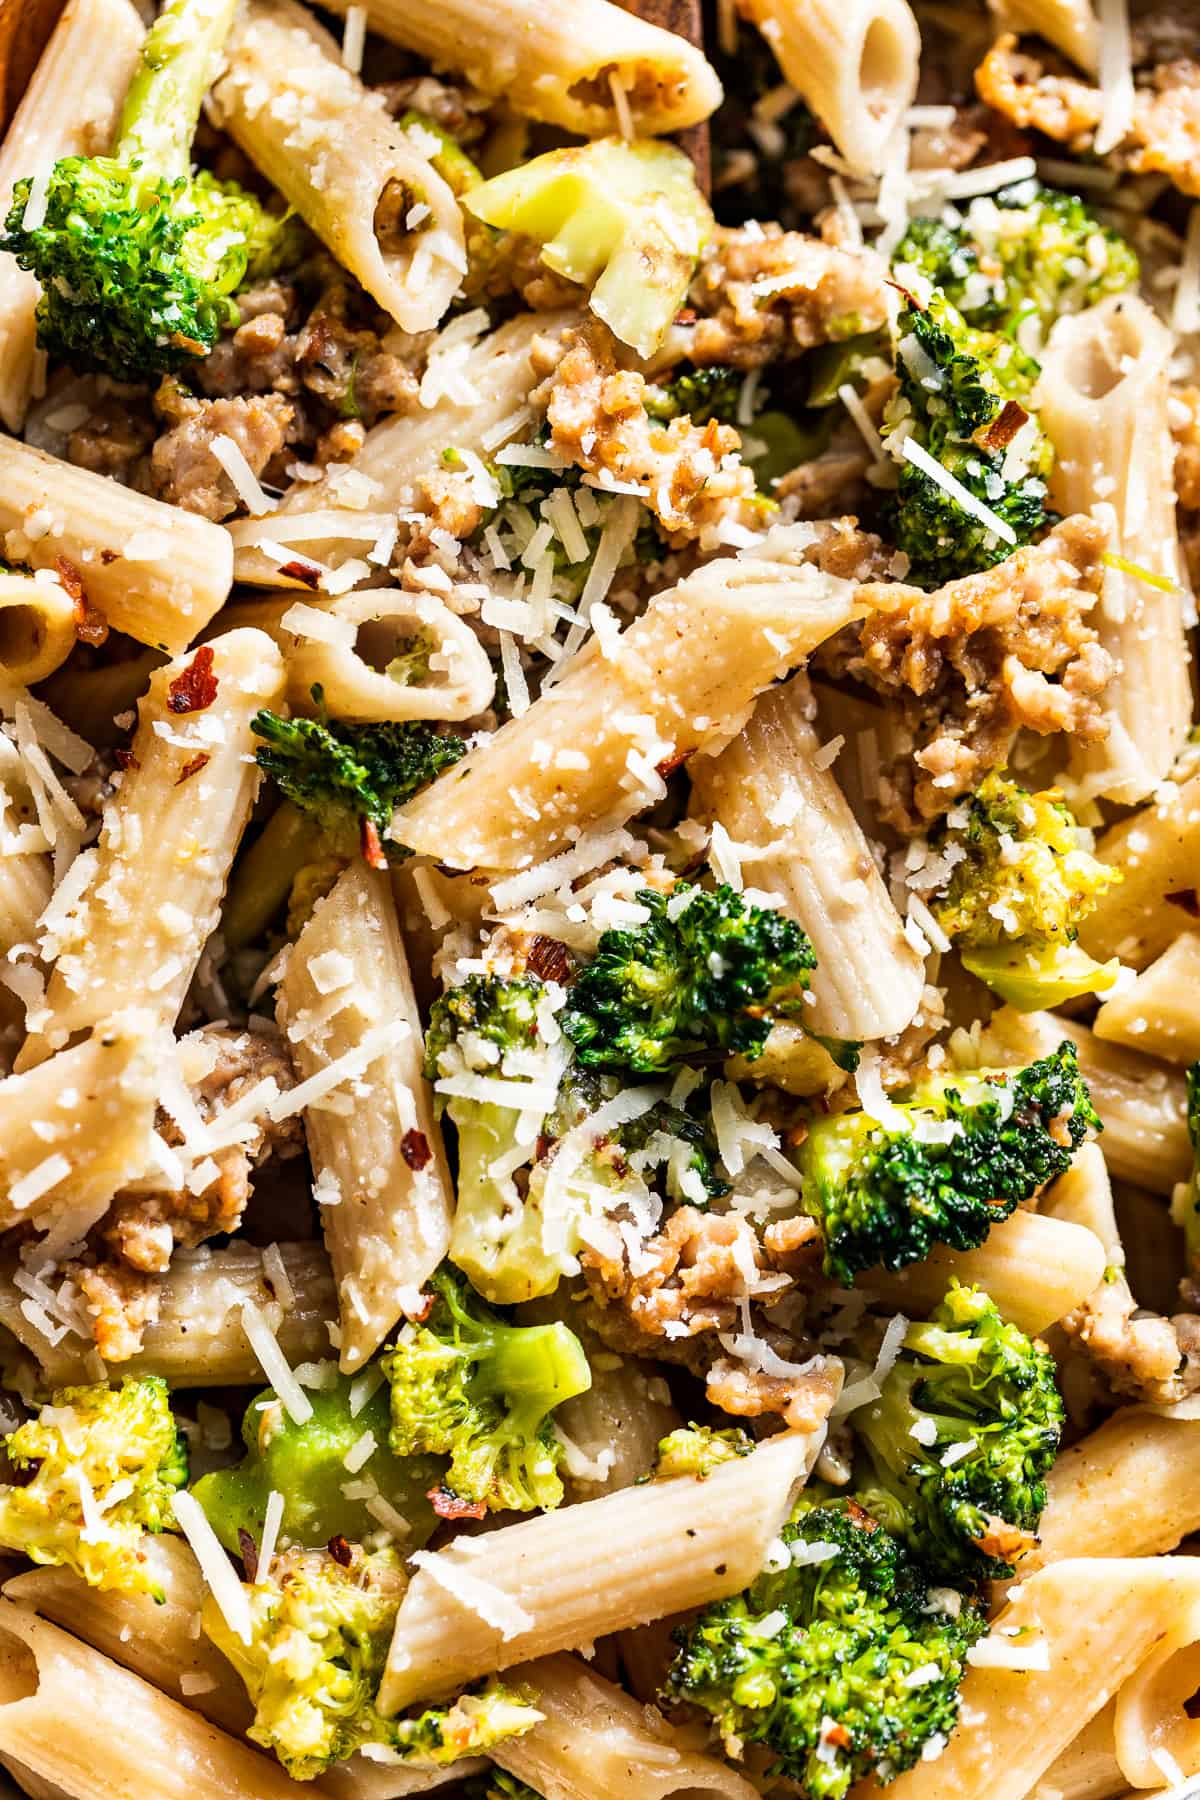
{"points": [[24, 27], [683, 18]]}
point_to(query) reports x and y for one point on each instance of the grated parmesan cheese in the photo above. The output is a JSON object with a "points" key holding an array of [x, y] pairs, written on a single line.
{"points": [[272, 1520], [245, 481], [354, 38], [1116, 76], [215, 1566], [912, 452], [996, 1652], [274, 1363], [483, 1598]]}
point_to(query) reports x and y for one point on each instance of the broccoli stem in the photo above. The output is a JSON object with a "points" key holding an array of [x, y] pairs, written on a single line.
{"points": [[162, 108]]}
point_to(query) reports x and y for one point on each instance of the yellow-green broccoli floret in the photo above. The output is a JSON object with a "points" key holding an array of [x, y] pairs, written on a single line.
{"points": [[321, 1623], [138, 258], [467, 1386], [498, 1784], [623, 219], [962, 1437], [839, 1665], [957, 1155], [307, 1465], [1023, 880], [106, 1463], [698, 1450]]}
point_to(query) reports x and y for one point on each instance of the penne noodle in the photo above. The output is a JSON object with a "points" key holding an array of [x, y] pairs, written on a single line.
{"points": [[1070, 25], [70, 108], [1103, 400], [528, 1590], [380, 1166], [134, 931], [352, 173], [1157, 850], [676, 683], [1152, 1724], [1157, 1013], [37, 629], [154, 572], [560, 60], [596, 1743], [1130, 1488], [796, 837], [1088, 1768], [853, 61]]}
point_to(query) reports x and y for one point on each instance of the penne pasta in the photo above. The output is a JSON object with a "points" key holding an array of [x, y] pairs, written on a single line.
{"points": [[1156, 1014], [796, 837], [381, 1170], [854, 62], [528, 1590], [70, 108], [37, 629], [155, 572], [1157, 850], [1103, 400], [560, 60], [1070, 25], [133, 930], [1130, 1488], [352, 173], [677, 683], [1088, 1768]]}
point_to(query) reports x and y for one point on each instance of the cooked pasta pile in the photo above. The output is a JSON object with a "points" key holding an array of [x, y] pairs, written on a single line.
{"points": [[600, 900]]}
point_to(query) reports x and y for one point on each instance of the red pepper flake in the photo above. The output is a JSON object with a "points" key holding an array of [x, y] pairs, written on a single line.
{"points": [[419, 1314], [302, 572], [125, 759], [108, 556], [371, 844], [543, 1147], [196, 688], [836, 1734], [669, 764], [193, 767], [91, 626], [1187, 899], [861, 1517], [1005, 426], [70, 577], [249, 1553], [548, 959], [414, 1148], [919, 305], [340, 1551], [448, 1506]]}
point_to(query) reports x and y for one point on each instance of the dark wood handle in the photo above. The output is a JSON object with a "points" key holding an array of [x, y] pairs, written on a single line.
{"points": [[25, 26], [684, 19]]}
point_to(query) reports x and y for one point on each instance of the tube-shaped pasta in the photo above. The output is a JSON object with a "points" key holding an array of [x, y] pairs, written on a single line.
{"points": [[560, 60], [69, 109], [351, 172], [482, 400], [772, 793], [1103, 400], [853, 61], [1142, 1103], [37, 629], [1130, 1488], [1088, 1768], [1035, 1268], [198, 1339], [530, 1589], [1151, 1719], [381, 1169], [1157, 850], [102, 1733], [596, 1743], [134, 930], [76, 1128], [1157, 1013], [1081, 1629], [587, 752], [1070, 25], [155, 572], [344, 647]]}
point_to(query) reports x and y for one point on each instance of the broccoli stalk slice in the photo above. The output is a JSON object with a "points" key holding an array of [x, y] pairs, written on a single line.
{"points": [[623, 219], [1185, 1205], [961, 1439], [965, 1152], [162, 105], [467, 1386]]}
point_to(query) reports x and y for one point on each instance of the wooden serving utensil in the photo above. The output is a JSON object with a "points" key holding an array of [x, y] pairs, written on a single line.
{"points": [[684, 19], [25, 26]]}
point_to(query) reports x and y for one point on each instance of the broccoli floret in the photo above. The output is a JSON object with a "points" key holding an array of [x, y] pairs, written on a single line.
{"points": [[698, 1450], [1026, 254], [705, 977], [816, 1662], [351, 778], [307, 1465], [623, 219], [498, 1784], [467, 1386], [1185, 1203], [970, 1149], [139, 259], [106, 1463], [962, 1437], [961, 400], [321, 1623], [1023, 882], [703, 394]]}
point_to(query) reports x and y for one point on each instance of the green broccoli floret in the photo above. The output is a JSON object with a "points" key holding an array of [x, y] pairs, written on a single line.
{"points": [[139, 259], [698, 1450], [705, 977], [351, 778], [498, 1784], [838, 1664], [1026, 254], [307, 1465], [970, 1149], [701, 394], [1023, 882], [467, 1386], [961, 1439], [321, 1623], [1185, 1203], [961, 399], [106, 1463]]}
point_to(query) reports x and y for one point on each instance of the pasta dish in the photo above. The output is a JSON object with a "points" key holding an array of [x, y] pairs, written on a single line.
{"points": [[600, 899]]}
